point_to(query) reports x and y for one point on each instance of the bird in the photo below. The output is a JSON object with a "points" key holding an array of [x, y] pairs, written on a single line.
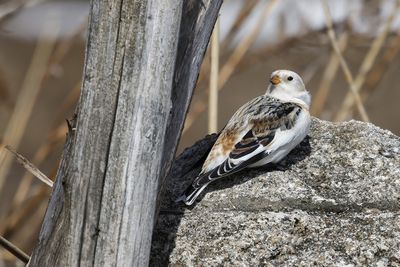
{"points": [[262, 131]]}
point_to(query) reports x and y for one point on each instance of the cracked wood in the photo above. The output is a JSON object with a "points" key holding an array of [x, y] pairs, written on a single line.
{"points": [[136, 90]]}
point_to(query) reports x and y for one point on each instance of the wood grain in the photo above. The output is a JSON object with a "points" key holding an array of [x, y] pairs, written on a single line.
{"points": [[138, 82]]}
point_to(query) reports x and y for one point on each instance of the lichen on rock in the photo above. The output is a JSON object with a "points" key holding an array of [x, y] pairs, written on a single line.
{"points": [[335, 200]]}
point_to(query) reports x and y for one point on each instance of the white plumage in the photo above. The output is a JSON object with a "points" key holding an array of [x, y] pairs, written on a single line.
{"points": [[262, 131]]}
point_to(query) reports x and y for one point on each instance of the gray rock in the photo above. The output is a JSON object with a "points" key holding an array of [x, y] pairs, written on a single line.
{"points": [[334, 201]]}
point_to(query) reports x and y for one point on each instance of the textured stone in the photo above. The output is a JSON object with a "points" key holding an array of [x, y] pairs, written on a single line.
{"points": [[334, 201]]}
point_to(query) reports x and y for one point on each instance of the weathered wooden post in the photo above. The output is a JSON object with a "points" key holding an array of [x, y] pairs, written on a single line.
{"points": [[128, 122]]}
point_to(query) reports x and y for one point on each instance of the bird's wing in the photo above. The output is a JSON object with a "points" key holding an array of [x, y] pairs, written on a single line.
{"points": [[256, 143]]}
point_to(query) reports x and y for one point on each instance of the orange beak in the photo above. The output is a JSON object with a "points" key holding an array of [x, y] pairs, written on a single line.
{"points": [[275, 80]]}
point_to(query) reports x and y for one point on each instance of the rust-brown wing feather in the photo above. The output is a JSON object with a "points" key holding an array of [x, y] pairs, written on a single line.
{"points": [[264, 115]]}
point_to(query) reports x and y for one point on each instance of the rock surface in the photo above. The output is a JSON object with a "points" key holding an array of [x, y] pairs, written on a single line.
{"points": [[334, 201]]}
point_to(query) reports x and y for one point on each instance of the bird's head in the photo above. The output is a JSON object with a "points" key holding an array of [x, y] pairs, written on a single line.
{"points": [[286, 84]]}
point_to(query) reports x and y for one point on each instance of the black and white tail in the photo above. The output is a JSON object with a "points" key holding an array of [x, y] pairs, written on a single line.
{"points": [[225, 169], [191, 193]]}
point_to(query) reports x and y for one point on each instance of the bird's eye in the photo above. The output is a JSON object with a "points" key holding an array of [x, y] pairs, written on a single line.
{"points": [[290, 78]]}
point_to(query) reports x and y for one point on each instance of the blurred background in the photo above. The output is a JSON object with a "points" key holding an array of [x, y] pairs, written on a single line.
{"points": [[42, 47]]}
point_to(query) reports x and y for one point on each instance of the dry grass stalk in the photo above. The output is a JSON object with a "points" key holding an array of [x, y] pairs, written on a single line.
{"points": [[23, 215], [198, 108], [14, 250], [262, 54], [65, 46], [213, 96], [311, 69], [245, 11], [200, 104], [343, 63], [379, 69], [30, 167], [232, 62], [32, 209], [366, 66], [27, 96], [327, 78], [241, 49], [57, 134], [56, 137]]}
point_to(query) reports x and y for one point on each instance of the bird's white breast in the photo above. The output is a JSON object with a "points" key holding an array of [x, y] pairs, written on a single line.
{"points": [[286, 140]]}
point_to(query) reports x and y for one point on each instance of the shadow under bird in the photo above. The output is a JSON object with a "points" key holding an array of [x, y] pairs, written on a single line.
{"points": [[262, 131]]}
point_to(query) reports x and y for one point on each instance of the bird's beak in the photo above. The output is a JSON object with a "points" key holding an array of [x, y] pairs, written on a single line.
{"points": [[275, 80]]}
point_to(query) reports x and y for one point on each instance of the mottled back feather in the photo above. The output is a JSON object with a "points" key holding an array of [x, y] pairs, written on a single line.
{"points": [[244, 139]]}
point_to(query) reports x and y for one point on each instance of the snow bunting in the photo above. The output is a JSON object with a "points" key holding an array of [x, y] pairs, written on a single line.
{"points": [[262, 131]]}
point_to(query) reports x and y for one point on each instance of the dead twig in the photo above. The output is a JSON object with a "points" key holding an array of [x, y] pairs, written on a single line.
{"points": [[244, 45], [377, 72], [27, 96], [245, 11], [343, 63], [14, 250], [56, 136], [30, 167], [366, 66], [327, 78]]}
